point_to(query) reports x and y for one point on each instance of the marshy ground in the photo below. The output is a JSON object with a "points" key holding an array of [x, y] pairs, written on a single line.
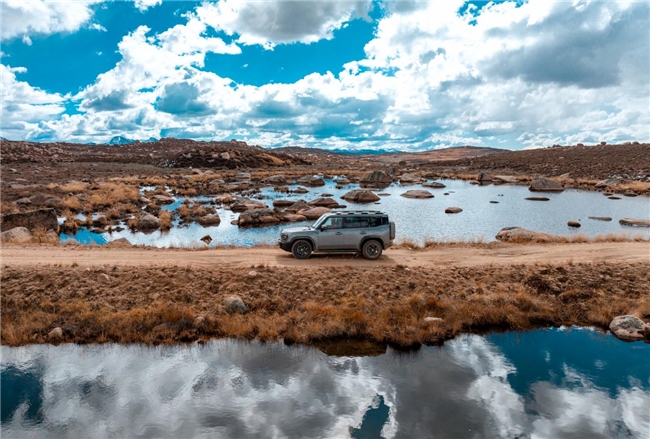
{"points": [[169, 296]]}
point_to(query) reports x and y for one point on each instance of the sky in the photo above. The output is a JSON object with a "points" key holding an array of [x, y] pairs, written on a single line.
{"points": [[351, 74]]}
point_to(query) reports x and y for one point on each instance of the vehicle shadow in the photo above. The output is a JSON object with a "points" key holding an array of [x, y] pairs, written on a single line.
{"points": [[337, 258]]}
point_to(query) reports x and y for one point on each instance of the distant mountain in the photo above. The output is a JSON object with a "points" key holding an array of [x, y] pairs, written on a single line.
{"points": [[119, 140], [150, 140]]}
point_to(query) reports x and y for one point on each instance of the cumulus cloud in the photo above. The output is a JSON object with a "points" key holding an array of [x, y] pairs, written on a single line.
{"points": [[143, 5], [34, 17], [276, 22], [435, 74]]}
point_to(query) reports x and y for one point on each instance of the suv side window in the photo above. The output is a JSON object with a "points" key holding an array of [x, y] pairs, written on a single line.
{"points": [[377, 221], [356, 222], [333, 222]]}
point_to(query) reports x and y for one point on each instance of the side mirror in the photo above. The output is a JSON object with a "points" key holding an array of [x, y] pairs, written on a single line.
{"points": [[324, 227]]}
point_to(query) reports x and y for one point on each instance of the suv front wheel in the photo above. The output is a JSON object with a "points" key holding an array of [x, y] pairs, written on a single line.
{"points": [[301, 249], [371, 249]]}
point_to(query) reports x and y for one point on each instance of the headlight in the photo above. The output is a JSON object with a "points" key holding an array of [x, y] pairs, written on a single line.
{"points": [[284, 237]]}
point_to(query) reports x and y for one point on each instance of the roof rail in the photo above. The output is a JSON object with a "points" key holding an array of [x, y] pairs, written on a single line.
{"points": [[359, 212]]}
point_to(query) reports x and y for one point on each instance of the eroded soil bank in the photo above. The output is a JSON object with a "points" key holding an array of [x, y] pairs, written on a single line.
{"points": [[387, 303]]}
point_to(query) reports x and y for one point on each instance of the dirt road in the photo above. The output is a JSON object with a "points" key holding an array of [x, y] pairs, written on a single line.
{"points": [[444, 256]]}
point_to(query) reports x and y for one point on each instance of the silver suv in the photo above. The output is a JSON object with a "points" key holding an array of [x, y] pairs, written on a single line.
{"points": [[368, 232]]}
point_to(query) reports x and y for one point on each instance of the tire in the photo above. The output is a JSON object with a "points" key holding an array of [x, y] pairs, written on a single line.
{"points": [[371, 249], [301, 249]]}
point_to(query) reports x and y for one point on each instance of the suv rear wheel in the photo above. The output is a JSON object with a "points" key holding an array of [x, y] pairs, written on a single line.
{"points": [[301, 249], [371, 249]]}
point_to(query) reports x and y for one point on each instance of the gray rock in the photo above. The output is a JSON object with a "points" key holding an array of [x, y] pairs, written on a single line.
{"points": [[543, 184], [434, 185], [484, 176], [410, 179], [209, 220], [256, 217], [518, 234], [628, 328], [315, 212], [235, 305], [504, 179], [433, 319], [55, 334], [17, 235], [103, 278], [417, 193], [252, 273], [360, 196], [162, 199], [148, 222], [330, 203], [243, 176], [634, 222], [375, 178], [275, 179]]}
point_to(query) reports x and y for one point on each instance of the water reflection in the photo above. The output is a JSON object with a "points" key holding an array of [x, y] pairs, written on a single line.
{"points": [[423, 218], [529, 385]]}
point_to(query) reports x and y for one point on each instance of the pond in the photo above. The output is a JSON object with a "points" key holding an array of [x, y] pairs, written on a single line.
{"points": [[418, 219], [553, 383]]}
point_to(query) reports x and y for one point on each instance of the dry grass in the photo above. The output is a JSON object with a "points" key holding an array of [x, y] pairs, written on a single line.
{"points": [[73, 187], [161, 304], [165, 218], [71, 203]]}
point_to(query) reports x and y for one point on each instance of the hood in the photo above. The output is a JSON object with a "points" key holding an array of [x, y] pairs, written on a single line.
{"points": [[291, 230]]}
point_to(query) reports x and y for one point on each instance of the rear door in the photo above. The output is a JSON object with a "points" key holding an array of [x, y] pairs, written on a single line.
{"points": [[356, 228]]}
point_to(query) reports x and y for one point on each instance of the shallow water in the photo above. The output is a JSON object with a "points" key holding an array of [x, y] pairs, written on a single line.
{"points": [[554, 383], [424, 218]]}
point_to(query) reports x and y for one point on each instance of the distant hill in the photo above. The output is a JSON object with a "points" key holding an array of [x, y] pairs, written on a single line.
{"points": [[119, 140]]}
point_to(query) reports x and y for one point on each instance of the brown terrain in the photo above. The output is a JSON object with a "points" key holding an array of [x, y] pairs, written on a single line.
{"points": [[123, 294]]}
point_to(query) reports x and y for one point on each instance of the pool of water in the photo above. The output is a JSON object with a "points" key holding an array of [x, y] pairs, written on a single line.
{"points": [[555, 383], [424, 218]]}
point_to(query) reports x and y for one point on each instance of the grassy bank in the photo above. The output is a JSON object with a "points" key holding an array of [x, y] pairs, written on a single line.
{"points": [[181, 304]]}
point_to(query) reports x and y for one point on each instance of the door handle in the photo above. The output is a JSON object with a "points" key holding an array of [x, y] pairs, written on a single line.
{"points": [[339, 233], [364, 233]]}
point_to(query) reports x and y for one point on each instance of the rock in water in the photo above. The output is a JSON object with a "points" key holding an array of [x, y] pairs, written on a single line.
{"points": [[453, 210], [543, 184], [360, 196], [375, 178], [600, 218], [148, 222], [417, 193], [234, 305], [627, 328], [537, 199], [55, 334], [634, 222], [573, 224]]}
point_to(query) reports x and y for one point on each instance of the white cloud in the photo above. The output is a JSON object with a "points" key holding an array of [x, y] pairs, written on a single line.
{"points": [[281, 21], [143, 5], [34, 17]]}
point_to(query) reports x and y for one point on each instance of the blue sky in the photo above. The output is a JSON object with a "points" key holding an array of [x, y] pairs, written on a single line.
{"points": [[355, 74]]}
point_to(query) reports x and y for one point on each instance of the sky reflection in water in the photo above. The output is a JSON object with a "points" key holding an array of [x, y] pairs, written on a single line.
{"points": [[540, 384]]}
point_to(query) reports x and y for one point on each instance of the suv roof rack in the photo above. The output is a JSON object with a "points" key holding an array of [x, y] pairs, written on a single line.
{"points": [[359, 212]]}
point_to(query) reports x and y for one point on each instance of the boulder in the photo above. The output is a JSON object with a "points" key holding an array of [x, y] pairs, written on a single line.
{"points": [[103, 278], [294, 217], [256, 217], [600, 218], [518, 234], [243, 176], [55, 334], [543, 184], [18, 235], [235, 305], [275, 180], [504, 179], [148, 222], [325, 202], [52, 202], [297, 207], [375, 179], [434, 185], [484, 176], [24, 201], [453, 210], [537, 199], [162, 199], [607, 183], [314, 213], [614, 198], [360, 196], [209, 220], [573, 224], [311, 180], [628, 328], [410, 179], [417, 193], [282, 203], [243, 204], [207, 239], [494, 202], [38, 198], [252, 274], [39, 218], [341, 181], [225, 155], [634, 222], [121, 242], [300, 190]]}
